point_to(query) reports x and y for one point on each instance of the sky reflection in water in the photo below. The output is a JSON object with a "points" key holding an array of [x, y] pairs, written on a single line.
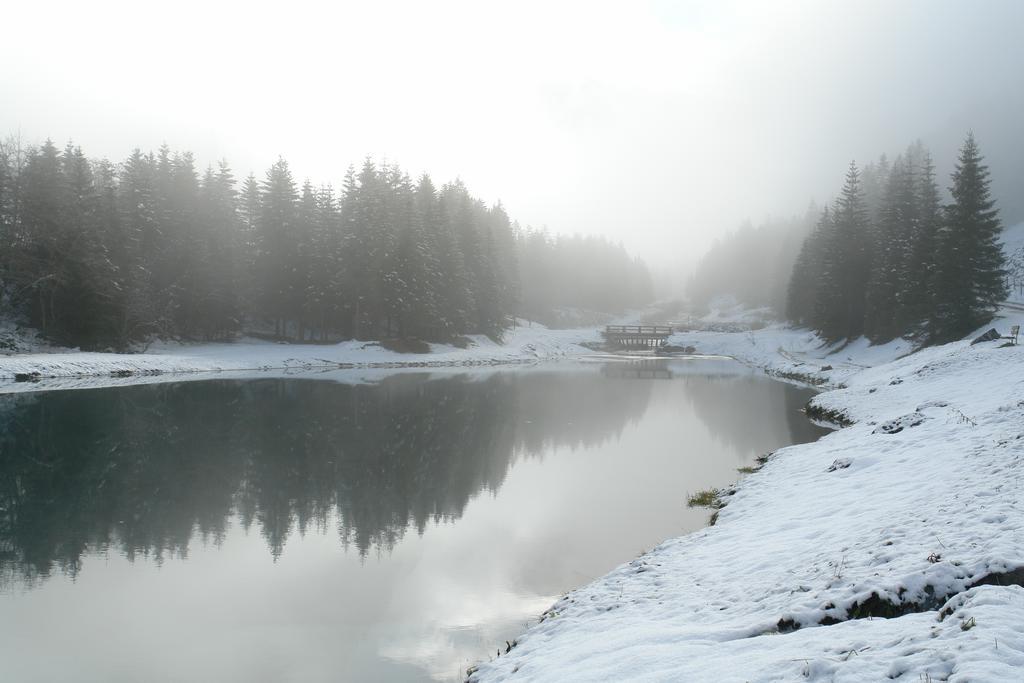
{"points": [[307, 529]]}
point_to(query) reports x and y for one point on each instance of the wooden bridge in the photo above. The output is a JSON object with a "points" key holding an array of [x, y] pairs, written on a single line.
{"points": [[637, 336]]}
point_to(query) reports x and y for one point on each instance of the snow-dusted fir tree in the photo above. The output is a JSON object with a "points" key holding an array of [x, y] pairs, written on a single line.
{"points": [[504, 234], [250, 205], [184, 259], [893, 232], [969, 279], [99, 255], [90, 293], [839, 306], [426, 240], [217, 258], [455, 295], [915, 299], [874, 183], [37, 265], [323, 292], [806, 276], [276, 256], [6, 204]]}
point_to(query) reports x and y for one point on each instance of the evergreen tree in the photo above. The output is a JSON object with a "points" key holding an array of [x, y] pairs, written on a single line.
{"points": [[276, 257], [874, 181], [503, 235], [184, 246], [362, 210], [968, 282], [807, 274], [456, 295], [87, 282], [427, 239], [101, 255], [134, 255], [250, 206], [839, 306], [324, 295], [395, 274], [38, 266], [6, 196], [159, 252], [216, 260], [915, 303], [896, 226], [304, 290]]}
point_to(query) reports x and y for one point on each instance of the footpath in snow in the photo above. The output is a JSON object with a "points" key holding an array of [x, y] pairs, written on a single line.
{"points": [[71, 369], [889, 549]]}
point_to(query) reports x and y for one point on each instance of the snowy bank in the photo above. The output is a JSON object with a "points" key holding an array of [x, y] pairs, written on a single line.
{"points": [[864, 556], [53, 370]]}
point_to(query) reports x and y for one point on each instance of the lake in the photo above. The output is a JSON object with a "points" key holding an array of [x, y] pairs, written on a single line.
{"points": [[336, 526]]}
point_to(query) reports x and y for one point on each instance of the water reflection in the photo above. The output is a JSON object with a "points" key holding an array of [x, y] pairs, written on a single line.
{"points": [[143, 469], [397, 530]]}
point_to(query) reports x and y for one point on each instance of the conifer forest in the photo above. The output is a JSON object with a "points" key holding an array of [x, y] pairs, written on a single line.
{"points": [[100, 254]]}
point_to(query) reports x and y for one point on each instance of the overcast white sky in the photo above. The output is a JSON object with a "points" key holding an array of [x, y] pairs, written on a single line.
{"points": [[661, 124]]}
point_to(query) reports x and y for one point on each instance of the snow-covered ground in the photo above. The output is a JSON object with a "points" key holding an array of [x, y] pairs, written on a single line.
{"points": [[905, 514], [902, 515], [62, 368]]}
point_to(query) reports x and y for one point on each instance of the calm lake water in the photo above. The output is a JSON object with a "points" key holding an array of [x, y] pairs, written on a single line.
{"points": [[312, 529]]}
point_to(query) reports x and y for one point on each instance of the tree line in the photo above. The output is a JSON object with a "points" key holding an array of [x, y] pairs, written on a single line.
{"points": [[100, 254], [752, 264], [372, 461], [888, 260]]}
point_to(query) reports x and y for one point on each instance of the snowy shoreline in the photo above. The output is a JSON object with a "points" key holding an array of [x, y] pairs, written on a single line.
{"points": [[176, 362], [910, 513], [906, 513]]}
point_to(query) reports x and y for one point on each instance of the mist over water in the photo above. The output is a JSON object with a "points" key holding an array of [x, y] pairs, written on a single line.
{"points": [[394, 531], [376, 188]]}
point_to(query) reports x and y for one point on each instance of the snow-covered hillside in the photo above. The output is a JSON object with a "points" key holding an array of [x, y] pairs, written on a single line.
{"points": [[906, 514]]}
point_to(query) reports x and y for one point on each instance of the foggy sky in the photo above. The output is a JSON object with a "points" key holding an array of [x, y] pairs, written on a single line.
{"points": [[658, 124]]}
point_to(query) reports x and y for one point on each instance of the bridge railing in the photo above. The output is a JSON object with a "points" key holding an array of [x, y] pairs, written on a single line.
{"points": [[639, 330]]}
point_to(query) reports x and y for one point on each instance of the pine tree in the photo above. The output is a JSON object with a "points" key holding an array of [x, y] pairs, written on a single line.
{"points": [[78, 301], [250, 206], [969, 279], [39, 264], [185, 248], [456, 234], [303, 297], [394, 274], [6, 218], [134, 255], [102, 255], [428, 224], [915, 302], [503, 235], [897, 221], [874, 181], [216, 261], [325, 295], [362, 211], [807, 274], [277, 252], [839, 306], [159, 249]]}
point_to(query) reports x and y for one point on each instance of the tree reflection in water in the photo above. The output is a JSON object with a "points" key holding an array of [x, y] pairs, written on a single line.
{"points": [[144, 470]]}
